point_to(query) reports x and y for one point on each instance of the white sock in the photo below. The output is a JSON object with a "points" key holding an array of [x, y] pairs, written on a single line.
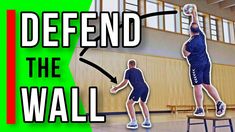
{"points": [[133, 120], [147, 120], [218, 101], [200, 107]]}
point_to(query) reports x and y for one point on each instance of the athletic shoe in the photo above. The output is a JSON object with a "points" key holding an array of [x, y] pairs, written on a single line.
{"points": [[199, 112], [132, 125], [146, 124], [220, 109]]}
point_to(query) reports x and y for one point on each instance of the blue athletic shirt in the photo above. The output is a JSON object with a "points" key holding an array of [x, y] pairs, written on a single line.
{"points": [[135, 77], [197, 47]]}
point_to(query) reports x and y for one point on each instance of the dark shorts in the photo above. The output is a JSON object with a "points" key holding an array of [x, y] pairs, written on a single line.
{"points": [[141, 93], [200, 74]]}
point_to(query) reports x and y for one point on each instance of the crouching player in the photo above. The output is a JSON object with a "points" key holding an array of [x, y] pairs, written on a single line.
{"points": [[139, 93]]}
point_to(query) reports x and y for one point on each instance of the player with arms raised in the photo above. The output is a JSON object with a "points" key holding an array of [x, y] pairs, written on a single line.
{"points": [[195, 51]]}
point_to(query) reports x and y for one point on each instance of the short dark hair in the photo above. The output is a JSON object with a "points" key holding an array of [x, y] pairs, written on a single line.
{"points": [[194, 23], [132, 62]]}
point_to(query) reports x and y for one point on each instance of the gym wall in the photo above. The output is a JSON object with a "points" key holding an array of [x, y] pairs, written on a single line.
{"points": [[166, 71], [167, 77]]}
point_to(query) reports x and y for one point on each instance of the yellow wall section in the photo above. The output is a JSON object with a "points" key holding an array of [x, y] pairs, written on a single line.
{"points": [[168, 80]]}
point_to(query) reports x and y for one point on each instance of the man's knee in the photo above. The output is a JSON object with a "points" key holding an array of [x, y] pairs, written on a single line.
{"points": [[130, 102], [198, 86], [141, 103], [207, 86]]}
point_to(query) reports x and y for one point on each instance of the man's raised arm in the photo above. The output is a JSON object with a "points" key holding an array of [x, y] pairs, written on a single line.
{"points": [[195, 15]]}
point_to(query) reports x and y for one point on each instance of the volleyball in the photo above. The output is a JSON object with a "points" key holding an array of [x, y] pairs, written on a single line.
{"points": [[188, 9]]}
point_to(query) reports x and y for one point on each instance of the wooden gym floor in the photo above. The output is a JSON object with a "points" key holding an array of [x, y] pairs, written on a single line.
{"points": [[161, 122]]}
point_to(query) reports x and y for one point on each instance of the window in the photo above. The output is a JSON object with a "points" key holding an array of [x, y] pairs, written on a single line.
{"points": [[213, 22], [114, 5], [226, 31], [185, 21], [110, 6], [131, 5], [234, 27], [201, 21], [152, 6], [170, 20], [234, 30]]}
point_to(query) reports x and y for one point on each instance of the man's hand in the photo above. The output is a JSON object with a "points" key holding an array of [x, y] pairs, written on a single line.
{"points": [[185, 52], [120, 86], [113, 90]]}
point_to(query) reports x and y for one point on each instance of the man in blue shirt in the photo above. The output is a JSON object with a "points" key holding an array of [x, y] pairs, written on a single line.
{"points": [[195, 50], [139, 93]]}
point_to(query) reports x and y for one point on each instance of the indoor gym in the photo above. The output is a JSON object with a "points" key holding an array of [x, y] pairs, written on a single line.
{"points": [[159, 56]]}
